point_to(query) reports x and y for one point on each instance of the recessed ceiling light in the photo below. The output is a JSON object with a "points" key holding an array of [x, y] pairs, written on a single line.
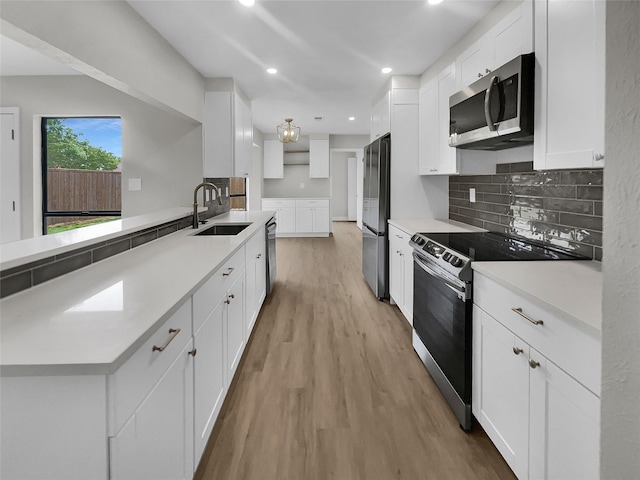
{"points": [[250, 3], [272, 70], [432, 2], [387, 70], [351, 119]]}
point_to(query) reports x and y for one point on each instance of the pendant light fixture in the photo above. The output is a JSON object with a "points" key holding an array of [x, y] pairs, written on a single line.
{"points": [[287, 132]]}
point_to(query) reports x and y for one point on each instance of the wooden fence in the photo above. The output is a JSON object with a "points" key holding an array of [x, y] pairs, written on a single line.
{"points": [[82, 190]]}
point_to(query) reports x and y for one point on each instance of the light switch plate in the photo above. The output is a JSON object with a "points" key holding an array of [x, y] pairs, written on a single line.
{"points": [[472, 195]]}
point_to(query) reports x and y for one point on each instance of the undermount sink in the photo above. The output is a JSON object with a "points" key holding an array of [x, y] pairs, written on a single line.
{"points": [[224, 229]]}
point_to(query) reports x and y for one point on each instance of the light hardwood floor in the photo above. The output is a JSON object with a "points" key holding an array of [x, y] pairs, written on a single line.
{"points": [[330, 387]]}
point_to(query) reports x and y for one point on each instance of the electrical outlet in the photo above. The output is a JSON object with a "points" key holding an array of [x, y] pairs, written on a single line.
{"points": [[135, 184], [472, 195]]}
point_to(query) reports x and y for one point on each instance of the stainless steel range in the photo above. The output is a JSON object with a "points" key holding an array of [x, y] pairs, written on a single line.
{"points": [[442, 302]]}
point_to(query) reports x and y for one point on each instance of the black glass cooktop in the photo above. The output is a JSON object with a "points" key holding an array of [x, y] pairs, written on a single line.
{"points": [[493, 246]]}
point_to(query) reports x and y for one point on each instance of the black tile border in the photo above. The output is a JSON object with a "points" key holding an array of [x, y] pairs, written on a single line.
{"points": [[17, 279]]}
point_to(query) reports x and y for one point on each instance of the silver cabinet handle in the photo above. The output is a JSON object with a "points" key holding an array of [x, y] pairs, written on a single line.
{"points": [[259, 255], [598, 157], [228, 272], [533, 363], [229, 297], [517, 350], [173, 332], [519, 311], [193, 352], [479, 75]]}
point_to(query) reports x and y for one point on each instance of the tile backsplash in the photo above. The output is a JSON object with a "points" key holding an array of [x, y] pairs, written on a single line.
{"points": [[212, 205], [561, 208]]}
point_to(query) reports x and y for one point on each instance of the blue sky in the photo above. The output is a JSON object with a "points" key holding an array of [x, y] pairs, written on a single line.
{"points": [[100, 132]]}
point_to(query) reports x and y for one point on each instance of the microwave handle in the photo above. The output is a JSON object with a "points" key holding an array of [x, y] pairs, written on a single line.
{"points": [[487, 103]]}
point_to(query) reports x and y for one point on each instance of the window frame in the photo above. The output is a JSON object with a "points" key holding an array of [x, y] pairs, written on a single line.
{"points": [[44, 180]]}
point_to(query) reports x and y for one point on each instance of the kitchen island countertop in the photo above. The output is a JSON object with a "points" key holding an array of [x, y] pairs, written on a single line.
{"points": [[90, 321]]}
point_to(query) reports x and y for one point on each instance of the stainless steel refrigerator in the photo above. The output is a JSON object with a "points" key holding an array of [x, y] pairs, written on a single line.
{"points": [[375, 213]]}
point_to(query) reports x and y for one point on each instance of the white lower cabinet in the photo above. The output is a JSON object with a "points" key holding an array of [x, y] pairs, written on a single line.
{"points": [[300, 217], [157, 441], [255, 280], [541, 418], [401, 271], [234, 326], [209, 377]]}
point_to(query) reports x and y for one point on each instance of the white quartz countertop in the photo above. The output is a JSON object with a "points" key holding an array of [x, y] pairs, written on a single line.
{"points": [[570, 288], [92, 320], [432, 225], [29, 250]]}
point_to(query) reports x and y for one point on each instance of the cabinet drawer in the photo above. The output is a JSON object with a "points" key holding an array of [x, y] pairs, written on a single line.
{"points": [[135, 379], [569, 347], [275, 204], [312, 203], [213, 290], [255, 245], [397, 234]]}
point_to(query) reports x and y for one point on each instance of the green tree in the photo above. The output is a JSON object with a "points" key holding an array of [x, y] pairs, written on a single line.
{"points": [[65, 149]]}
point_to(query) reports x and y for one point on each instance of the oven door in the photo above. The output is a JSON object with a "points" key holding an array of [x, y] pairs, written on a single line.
{"points": [[442, 310]]}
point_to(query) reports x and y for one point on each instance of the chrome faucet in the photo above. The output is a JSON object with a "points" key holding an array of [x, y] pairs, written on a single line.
{"points": [[195, 200]]}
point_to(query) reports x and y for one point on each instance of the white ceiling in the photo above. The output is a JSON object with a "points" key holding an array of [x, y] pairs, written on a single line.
{"points": [[328, 53]]}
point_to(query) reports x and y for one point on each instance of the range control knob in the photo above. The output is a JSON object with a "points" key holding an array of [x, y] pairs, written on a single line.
{"points": [[455, 261]]}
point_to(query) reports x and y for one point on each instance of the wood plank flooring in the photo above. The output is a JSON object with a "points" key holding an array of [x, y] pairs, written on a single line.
{"points": [[330, 388]]}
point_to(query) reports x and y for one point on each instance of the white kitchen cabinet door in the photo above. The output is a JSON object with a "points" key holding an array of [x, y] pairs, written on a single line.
{"points": [[473, 63], [319, 158], [304, 219], [569, 84], [228, 140], [381, 117], [286, 218], [157, 441], [255, 284], [209, 377], [503, 399], [565, 425], [273, 159], [396, 277], [321, 220], [447, 156], [512, 36], [428, 128], [407, 259], [234, 325]]}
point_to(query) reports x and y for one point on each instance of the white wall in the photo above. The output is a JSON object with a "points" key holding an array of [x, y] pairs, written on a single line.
{"points": [[620, 408], [295, 176], [110, 42], [164, 150]]}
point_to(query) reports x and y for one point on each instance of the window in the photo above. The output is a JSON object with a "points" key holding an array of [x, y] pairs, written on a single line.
{"points": [[81, 165], [238, 193]]}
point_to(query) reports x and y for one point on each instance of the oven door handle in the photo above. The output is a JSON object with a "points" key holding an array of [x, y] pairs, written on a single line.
{"points": [[460, 290]]}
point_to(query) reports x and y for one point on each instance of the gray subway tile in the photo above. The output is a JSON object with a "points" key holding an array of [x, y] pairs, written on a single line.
{"points": [[568, 205], [143, 238], [496, 198], [597, 208], [15, 283], [589, 222], [589, 192], [26, 266], [597, 253], [60, 267], [521, 167], [167, 229], [582, 177], [111, 249]]}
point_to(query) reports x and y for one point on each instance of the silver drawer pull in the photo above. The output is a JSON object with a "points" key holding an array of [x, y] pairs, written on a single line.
{"points": [[519, 311], [533, 363], [193, 352], [173, 332], [228, 272], [517, 350]]}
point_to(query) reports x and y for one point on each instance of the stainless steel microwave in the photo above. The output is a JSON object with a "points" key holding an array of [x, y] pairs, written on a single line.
{"points": [[496, 111]]}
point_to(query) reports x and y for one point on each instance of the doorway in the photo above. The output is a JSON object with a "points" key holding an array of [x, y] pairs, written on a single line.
{"points": [[346, 184]]}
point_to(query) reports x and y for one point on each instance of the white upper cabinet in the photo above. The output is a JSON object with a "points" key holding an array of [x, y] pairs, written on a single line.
{"points": [[570, 84], [319, 157], [381, 117], [273, 153], [228, 135], [436, 157], [510, 37]]}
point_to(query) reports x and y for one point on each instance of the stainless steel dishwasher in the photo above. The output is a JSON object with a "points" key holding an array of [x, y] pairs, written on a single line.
{"points": [[271, 254]]}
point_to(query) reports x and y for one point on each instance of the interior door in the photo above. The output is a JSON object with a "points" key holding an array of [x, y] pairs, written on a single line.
{"points": [[9, 176]]}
